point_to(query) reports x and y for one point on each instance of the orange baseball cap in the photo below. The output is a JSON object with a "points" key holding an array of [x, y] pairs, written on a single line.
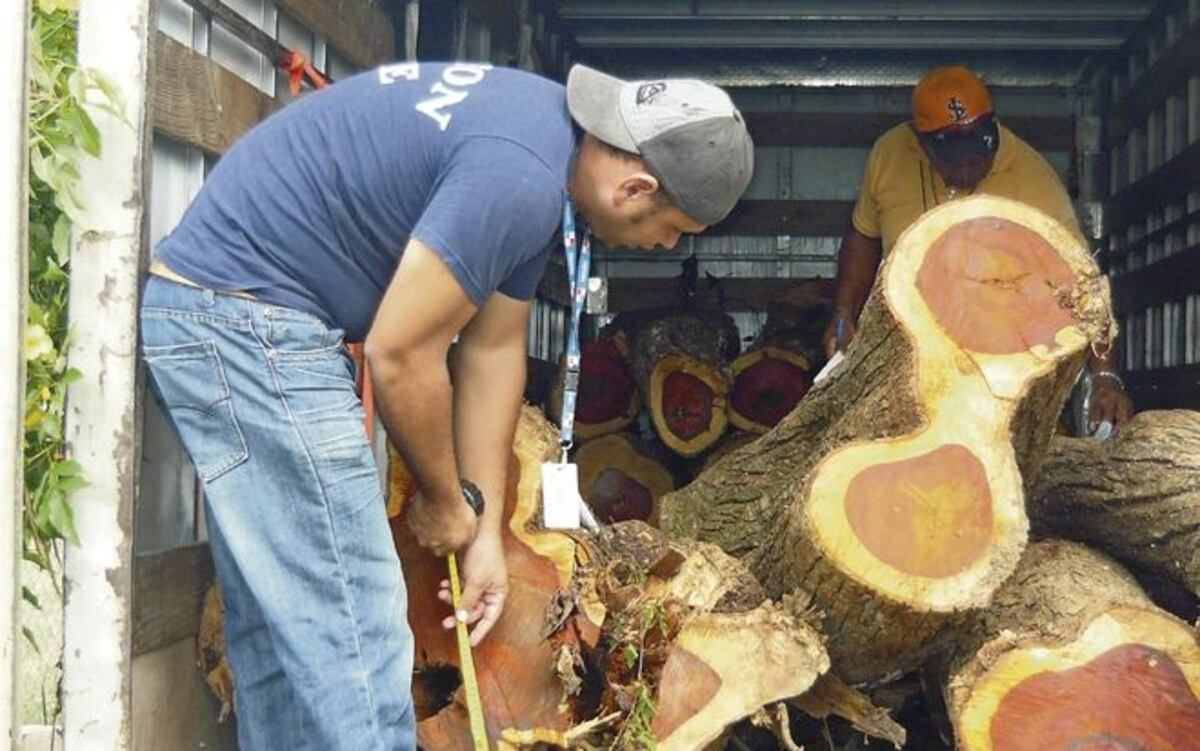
{"points": [[947, 97]]}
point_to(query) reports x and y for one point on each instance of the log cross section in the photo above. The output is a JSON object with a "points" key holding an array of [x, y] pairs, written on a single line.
{"points": [[928, 517], [890, 500]]}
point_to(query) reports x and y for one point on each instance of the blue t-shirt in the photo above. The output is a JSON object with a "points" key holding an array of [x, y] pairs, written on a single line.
{"points": [[313, 207]]}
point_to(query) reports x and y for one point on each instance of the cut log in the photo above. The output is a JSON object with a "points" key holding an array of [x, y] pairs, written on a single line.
{"points": [[608, 398], [768, 381], [1073, 655], [891, 499], [540, 565], [621, 478], [1136, 496], [830, 696], [680, 363], [658, 631], [210, 651], [697, 662], [775, 372]]}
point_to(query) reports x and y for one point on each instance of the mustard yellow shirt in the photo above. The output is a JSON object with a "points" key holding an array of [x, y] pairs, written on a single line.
{"points": [[900, 184]]}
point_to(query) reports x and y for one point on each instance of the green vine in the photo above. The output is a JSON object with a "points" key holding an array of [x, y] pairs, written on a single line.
{"points": [[636, 638], [60, 134]]}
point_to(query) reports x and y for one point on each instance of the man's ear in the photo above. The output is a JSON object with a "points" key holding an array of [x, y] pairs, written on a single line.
{"points": [[635, 186]]}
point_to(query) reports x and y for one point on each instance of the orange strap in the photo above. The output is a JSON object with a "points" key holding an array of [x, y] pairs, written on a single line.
{"points": [[365, 391], [298, 68]]}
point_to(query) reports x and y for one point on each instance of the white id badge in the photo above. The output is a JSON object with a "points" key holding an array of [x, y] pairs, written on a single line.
{"points": [[561, 500]]}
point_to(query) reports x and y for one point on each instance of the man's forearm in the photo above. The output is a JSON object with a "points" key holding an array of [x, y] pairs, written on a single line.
{"points": [[414, 401], [858, 260], [489, 383]]}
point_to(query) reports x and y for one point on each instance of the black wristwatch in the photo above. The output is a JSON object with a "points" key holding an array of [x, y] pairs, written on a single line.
{"points": [[473, 496]]}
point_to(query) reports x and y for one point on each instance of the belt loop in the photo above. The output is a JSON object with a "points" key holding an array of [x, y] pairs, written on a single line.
{"points": [[208, 298]]}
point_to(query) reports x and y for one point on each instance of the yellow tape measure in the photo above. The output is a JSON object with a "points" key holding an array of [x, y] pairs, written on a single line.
{"points": [[466, 662]]}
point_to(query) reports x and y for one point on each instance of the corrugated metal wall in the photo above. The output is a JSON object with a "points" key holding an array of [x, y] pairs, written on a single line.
{"points": [[1152, 238]]}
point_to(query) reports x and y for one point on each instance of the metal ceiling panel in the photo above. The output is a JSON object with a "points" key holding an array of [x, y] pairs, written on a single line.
{"points": [[859, 10], [841, 35], [756, 68], [1038, 43]]}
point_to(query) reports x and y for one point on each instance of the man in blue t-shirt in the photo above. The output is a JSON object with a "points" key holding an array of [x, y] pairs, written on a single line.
{"points": [[404, 207]]}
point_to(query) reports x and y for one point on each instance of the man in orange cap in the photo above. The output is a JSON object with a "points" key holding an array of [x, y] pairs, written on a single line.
{"points": [[954, 146]]}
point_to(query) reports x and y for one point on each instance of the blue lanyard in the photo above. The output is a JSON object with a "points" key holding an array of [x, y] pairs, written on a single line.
{"points": [[579, 261]]}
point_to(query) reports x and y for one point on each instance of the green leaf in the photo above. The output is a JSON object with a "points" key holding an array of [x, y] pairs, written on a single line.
{"points": [[77, 85], [630, 654], [87, 137], [69, 468], [31, 639], [40, 166], [112, 98], [62, 238], [28, 595], [50, 6]]}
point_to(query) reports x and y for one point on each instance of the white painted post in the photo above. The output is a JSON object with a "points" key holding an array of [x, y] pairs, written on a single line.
{"points": [[102, 411], [14, 213]]}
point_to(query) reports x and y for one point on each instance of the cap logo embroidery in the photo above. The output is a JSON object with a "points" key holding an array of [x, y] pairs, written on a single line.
{"points": [[957, 111], [648, 92]]}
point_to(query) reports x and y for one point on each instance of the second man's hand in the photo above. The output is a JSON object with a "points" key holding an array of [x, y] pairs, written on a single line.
{"points": [[839, 332], [485, 585], [442, 526]]}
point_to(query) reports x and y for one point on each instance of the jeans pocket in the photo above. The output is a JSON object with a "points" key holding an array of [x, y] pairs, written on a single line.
{"points": [[329, 415], [294, 334], [191, 383]]}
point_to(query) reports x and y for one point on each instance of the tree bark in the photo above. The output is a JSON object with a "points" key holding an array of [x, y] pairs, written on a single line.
{"points": [[1136, 496], [891, 500], [655, 631], [1072, 654], [729, 443]]}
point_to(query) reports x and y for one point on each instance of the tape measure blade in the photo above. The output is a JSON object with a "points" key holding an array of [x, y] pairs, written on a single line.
{"points": [[466, 663]]}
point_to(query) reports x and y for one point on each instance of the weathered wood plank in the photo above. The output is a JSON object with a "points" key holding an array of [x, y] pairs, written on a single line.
{"points": [[198, 102], [741, 294], [859, 130], [102, 423], [359, 31], [1170, 183], [168, 595], [794, 218], [1171, 279]]}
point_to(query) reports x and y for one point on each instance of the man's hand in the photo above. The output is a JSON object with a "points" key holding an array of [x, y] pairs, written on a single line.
{"points": [[485, 585], [1110, 403], [441, 526], [839, 332]]}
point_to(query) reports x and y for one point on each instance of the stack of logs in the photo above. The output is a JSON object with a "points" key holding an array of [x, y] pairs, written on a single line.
{"points": [[682, 368], [881, 528]]}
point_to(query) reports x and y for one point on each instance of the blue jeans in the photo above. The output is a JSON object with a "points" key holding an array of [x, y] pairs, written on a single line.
{"points": [[316, 626]]}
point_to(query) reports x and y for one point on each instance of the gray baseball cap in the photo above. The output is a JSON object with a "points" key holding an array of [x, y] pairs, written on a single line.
{"points": [[687, 132]]}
